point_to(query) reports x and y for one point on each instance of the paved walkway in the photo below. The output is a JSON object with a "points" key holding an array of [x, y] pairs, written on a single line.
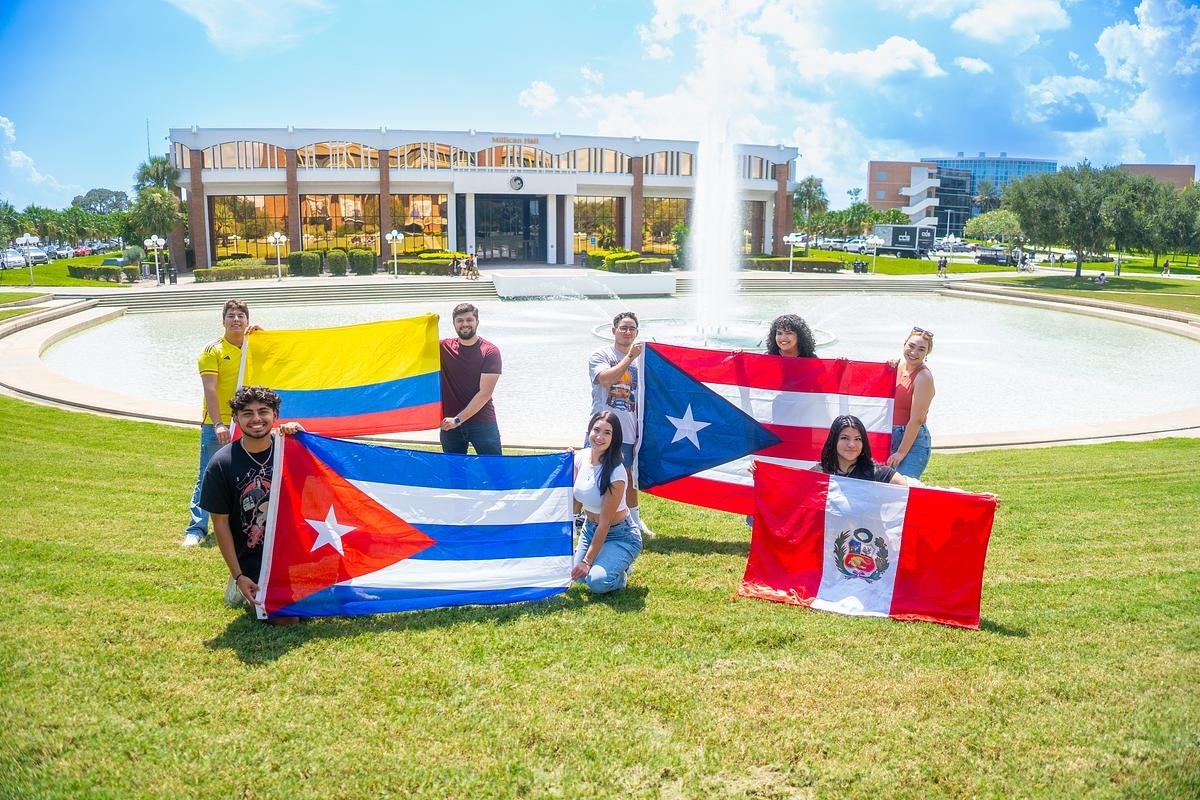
{"points": [[23, 339]]}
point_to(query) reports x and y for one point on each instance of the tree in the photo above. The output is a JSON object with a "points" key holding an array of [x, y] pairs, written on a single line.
{"points": [[679, 237], [1038, 208], [101, 201], [1001, 225], [156, 171], [893, 216], [857, 216], [810, 200], [10, 222], [156, 211], [41, 220], [988, 197], [1082, 189]]}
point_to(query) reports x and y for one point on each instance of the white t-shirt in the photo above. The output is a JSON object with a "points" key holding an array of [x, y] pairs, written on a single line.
{"points": [[621, 397], [587, 480]]}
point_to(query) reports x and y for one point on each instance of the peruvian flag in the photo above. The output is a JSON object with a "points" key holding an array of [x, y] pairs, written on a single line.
{"points": [[867, 549], [707, 413]]}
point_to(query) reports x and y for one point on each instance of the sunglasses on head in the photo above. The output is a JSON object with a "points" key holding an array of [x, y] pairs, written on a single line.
{"points": [[922, 331]]}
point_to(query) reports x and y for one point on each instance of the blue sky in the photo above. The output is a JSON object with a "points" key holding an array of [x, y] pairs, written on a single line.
{"points": [[845, 82]]}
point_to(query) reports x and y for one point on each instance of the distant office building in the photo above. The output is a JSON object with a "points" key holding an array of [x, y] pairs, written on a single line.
{"points": [[927, 194], [1178, 175], [523, 197], [1000, 170]]}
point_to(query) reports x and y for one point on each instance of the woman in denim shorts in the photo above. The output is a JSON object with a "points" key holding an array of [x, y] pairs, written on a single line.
{"points": [[911, 443]]}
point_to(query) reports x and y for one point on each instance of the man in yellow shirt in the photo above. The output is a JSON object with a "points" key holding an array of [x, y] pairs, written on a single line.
{"points": [[219, 364]]}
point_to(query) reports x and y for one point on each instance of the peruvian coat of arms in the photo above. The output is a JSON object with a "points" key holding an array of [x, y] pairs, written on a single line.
{"points": [[861, 554]]}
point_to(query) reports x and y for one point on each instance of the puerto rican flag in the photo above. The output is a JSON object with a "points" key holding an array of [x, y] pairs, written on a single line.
{"points": [[363, 529], [707, 413], [868, 549]]}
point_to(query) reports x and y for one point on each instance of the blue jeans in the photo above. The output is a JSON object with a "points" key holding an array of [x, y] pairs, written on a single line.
{"points": [[485, 436], [918, 455], [620, 548], [208, 448]]}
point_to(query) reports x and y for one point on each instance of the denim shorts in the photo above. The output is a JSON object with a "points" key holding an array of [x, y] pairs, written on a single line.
{"points": [[917, 459]]}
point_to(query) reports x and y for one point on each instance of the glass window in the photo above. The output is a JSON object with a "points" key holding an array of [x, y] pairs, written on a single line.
{"points": [[659, 216], [422, 218], [242, 223], [596, 223], [340, 220]]}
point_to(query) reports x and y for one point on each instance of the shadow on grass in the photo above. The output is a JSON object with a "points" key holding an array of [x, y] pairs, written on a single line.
{"points": [[667, 544], [1003, 630], [256, 642], [1086, 284]]}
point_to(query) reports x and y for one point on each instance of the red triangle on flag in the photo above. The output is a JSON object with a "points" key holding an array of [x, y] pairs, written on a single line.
{"points": [[327, 531]]}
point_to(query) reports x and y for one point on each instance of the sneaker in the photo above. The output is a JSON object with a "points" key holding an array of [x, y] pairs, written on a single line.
{"points": [[645, 529], [192, 540]]}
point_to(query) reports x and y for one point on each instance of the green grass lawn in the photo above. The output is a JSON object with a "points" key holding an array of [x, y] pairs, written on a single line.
{"points": [[9, 313], [55, 273], [887, 265], [16, 297], [1165, 293], [122, 674]]}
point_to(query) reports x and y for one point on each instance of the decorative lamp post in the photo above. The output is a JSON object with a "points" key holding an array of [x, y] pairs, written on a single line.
{"points": [[278, 240], [791, 240], [156, 243], [395, 240]]}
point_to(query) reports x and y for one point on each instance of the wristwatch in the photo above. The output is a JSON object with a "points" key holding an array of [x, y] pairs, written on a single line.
{"points": [[457, 421]]}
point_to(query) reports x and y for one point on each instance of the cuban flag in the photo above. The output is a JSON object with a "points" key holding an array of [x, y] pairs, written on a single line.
{"points": [[365, 529], [707, 413], [868, 549], [353, 380]]}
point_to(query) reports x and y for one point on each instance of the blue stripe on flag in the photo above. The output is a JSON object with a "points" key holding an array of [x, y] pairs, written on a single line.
{"points": [[378, 464], [481, 542], [350, 600], [415, 390]]}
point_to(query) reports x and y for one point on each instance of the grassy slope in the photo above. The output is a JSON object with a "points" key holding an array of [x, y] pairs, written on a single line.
{"points": [[16, 297], [55, 273], [123, 675], [1166, 293]]}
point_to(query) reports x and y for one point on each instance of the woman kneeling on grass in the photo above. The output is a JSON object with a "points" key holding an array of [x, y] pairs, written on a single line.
{"points": [[610, 541], [847, 453]]}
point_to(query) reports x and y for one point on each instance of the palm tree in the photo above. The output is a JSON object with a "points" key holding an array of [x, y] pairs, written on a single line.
{"points": [[43, 221], [10, 222], [810, 198], [156, 171], [988, 197]]}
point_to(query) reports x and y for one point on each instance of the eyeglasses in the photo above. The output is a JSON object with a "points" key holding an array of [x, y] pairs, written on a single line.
{"points": [[923, 332], [626, 329]]}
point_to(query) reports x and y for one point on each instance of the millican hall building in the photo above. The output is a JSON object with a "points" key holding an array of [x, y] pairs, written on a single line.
{"points": [[530, 198]]}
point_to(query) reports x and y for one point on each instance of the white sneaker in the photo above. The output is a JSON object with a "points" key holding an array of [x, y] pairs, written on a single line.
{"points": [[192, 540], [645, 529]]}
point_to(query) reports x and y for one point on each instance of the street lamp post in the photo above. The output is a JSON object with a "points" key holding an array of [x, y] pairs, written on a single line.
{"points": [[278, 240], [156, 243], [791, 240], [395, 239]]}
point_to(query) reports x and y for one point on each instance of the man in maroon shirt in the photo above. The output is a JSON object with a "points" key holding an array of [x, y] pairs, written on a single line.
{"points": [[470, 370]]}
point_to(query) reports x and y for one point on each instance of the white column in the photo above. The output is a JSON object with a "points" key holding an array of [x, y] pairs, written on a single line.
{"points": [[551, 229], [452, 220], [568, 224], [470, 242]]}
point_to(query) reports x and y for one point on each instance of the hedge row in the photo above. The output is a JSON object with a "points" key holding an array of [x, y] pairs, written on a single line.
{"points": [[131, 273], [242, 260], [363, 262], [780, 264], [232, 273], [604, 259], [306, 263], [637, 266]]}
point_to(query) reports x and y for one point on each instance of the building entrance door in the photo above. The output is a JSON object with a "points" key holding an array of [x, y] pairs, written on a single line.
{"points": [[510, 228]]}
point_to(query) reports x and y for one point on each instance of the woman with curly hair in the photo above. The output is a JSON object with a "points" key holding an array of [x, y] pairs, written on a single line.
{"points": [[791, 337]]}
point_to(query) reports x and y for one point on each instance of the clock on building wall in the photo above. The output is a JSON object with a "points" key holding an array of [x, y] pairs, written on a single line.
{"points": [[517, 183]]}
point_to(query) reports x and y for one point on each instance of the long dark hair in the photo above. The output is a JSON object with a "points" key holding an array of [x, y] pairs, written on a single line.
{"points": [[806, 344], [612, 456], [829, 459]]}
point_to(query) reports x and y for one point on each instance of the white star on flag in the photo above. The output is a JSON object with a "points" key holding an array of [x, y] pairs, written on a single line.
{"points": [[686, 427], [329, 532]]}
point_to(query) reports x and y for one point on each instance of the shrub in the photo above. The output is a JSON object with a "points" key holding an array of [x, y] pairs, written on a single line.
{"points": [[235, 257], [780, 264], [597, 258], [293, 262], [101, 273], [244, 262], [337, 261], [232, 273], [446, 255], [337, 266], [131, 273], [362, 261], [310, 265], [133, 254]]}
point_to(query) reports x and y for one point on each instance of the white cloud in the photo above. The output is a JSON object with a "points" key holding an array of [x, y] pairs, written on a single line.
{"points": [[942, 9], [236, 26], [972, 65], [1012, 21], [834, 149], [894, 56], [539, 97], [21, 163], [591, 75], [9, 130]]}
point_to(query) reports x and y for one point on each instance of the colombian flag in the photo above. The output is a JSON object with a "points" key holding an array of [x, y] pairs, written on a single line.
{"points": [[354, 380]]}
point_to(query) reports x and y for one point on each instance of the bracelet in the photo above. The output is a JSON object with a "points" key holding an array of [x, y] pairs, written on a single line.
{"points": [[238, 577], [585, 562]]}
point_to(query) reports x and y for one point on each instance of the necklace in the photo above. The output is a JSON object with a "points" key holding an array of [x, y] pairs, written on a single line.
{"points": [[266, 462]]}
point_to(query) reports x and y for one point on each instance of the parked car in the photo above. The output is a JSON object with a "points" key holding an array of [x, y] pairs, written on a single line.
{"points": [[64, 251], [12, 259], [856, 244], [992, 256], [83, 250], [835, 244], [35, 255]]}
